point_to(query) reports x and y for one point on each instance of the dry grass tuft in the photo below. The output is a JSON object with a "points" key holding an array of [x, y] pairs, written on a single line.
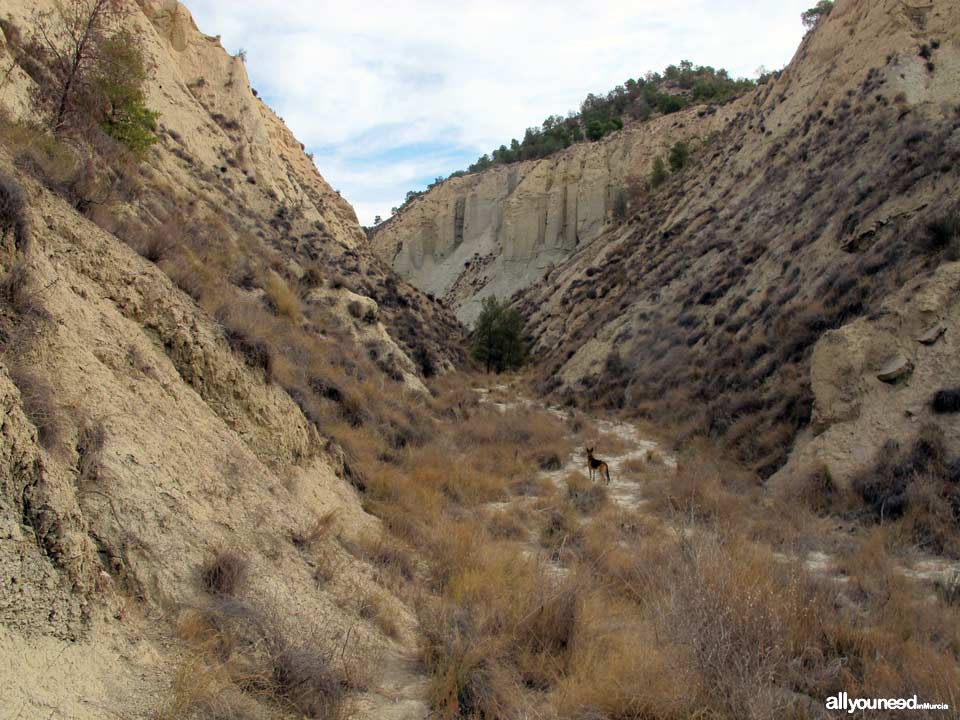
{"points": [[225, 573], [376, 608], [282, 299], [250, 656], [13, 213], [43, 408], [314, 534], [586, 496]]}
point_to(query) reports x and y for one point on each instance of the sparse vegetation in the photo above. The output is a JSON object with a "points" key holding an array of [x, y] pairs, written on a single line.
{"points": [[658, 175], [654, 94], [946, 401], [92, 71], [812, 17], [248, 657], [943, 235], [42, 407]]}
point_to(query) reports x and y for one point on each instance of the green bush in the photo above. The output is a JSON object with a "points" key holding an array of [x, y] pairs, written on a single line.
{"points": [[121, 73], [812, 17], [658, 175], [679, 155], [497, 340]]}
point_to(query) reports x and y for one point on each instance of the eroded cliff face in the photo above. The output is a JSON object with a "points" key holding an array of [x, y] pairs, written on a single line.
{"points": [[496, 232], [802, 220], [137, 441]]}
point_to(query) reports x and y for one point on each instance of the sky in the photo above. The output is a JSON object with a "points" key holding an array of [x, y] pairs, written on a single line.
{"points": [[390, 95]]}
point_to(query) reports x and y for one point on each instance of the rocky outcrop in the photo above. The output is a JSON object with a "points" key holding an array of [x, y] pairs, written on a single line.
{"points": [[499, 231], [862, 399]]}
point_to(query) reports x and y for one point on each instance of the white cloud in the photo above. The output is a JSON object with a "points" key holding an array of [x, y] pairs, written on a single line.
{"points": [[362, 82]]}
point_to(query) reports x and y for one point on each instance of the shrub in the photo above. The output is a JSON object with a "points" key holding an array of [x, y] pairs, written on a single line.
{"points": [[256, 650], [885, 486], [41, 406], [812, 17], [943, 234], [658, 175], [282, 299], [13, 213], [225, 573], [587, 497], [41, 154], [946, 401], [549, 462], [121, 73], [424, 361], [498, 337], [679, 156]]}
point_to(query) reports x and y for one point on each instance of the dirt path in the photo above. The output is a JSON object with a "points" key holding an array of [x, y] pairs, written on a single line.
{"points": [[400, 690], [627, 492]]}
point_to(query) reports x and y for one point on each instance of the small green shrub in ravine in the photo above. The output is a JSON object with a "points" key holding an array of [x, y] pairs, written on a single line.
{"points": [[497, 340]]}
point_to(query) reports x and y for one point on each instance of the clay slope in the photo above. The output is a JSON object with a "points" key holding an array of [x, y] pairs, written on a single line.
{"points": [[175, 355], [224, 153], [758, 295]]}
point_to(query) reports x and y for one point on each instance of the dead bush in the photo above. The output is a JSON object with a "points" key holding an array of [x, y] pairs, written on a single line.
{"points": [[376, 608], [282, 299], [742, 618], [884, 487], [389, 555], [946, 401], [549, 462], [819, 491], [13, 213], [468, 675], [315, 533], [20, 291], [587, 497], [44, 156], [259, 653], [943, 235], [225, 573], [42, 407]]}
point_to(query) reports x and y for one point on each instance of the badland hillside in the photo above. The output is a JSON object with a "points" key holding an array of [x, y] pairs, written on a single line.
{"points": [[248, 470]]}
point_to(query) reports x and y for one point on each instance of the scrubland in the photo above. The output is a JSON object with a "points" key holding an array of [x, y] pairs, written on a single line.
{"points": [[713, 596]]}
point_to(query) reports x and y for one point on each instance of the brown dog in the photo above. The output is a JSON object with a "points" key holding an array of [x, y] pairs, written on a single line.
{"points": [[596, 465]]}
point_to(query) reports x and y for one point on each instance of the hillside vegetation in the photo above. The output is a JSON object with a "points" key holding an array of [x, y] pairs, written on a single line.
{"points": [[637, 99], [247, 471]]}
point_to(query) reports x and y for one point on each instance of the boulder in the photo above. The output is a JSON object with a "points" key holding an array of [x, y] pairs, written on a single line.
{"points": [[896, 369]]}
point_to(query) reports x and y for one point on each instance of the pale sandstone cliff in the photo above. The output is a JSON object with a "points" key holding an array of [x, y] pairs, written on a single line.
{"points": [[499, 231]]}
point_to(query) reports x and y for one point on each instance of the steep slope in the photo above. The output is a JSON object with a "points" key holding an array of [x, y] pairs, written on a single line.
{"points": [[495, 232], [832, 188], [181, 341], [224, 153]]}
